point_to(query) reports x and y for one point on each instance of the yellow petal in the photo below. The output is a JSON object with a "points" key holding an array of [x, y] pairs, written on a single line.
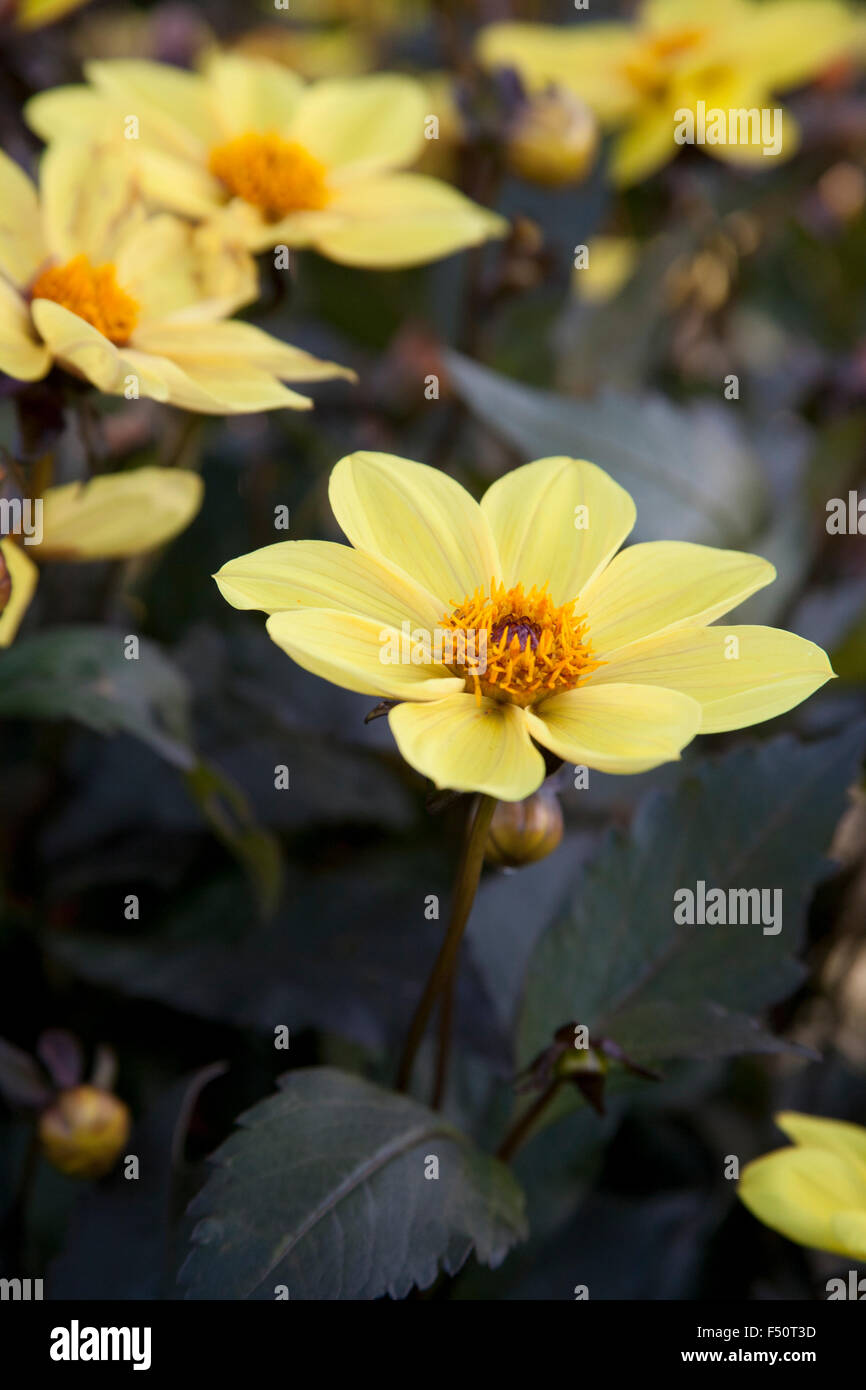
{"points": [[419, 519], [171, 105], [616, 728], [737, 683], [557, 521], [815, 1132], [322, 574], [21, 355], [587, 60], [23, 576], [800, 1192], [176, 181], [214, 389], [118, 514], [371, 123], [361, 654], [90, 199], [252, 94], [783, 143], [77, 345], [225, 344], [22, 248], [163, 266], [646, 146], [73, 110], [399, 220], [849, 1229], [653, 587], [141, 375], [470, 747]]}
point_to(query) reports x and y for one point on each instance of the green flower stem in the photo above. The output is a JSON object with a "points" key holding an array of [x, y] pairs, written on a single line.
{"points": [[523, 1127], [465, 887]]}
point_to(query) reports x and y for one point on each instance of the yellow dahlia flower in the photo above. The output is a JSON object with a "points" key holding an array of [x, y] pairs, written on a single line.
{"points": [[513, 623], [316, 165], [815, 1192], [108, 518], [729, 54], [134, 304]]}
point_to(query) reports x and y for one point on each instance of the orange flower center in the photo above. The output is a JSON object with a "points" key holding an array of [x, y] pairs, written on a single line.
{"points": [[650, 66], [276, 175], [91, 292], [518, 646]]}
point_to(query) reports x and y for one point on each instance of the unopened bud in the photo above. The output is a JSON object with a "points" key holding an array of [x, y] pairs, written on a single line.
{"points": [[553, 139], [5, 583], [522, 832], [83, 1133]]}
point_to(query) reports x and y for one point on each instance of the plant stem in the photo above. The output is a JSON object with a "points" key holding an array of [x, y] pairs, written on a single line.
{"points": [[466, 884], [522, 1127], [443, 1050]]}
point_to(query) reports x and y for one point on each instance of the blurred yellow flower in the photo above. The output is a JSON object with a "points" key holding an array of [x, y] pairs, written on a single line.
{"points": [[84, 1132], [135, 305], [730, 55], [510, 623], [815, 1192], [283, 162], [110, 517]]}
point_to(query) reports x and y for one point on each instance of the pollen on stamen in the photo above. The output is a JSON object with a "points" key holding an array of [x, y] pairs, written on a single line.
{"points": [[91, 292], [523, 647], [276, 175]]}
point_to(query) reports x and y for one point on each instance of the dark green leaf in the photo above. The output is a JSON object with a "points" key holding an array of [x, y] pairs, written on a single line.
{"points": [[82, 673], [615, 960], [323, 1190]]}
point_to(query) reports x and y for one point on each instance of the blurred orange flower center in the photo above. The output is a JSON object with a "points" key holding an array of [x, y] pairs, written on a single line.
{"points": [[650, 65], [276, 175], [522, 646], [91, 292]]}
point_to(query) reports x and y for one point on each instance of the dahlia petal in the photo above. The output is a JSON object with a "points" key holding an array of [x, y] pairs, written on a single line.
{"points": [[321, 574], [22, 248], [616, 728], [469, 746], [763, 673], [557, 521], [118, 514], [354, 652], [419, 519], [652, 587]]}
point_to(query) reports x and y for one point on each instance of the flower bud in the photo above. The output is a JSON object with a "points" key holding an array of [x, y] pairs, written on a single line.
{"points": [[5, 583], [552, 140], [522, 832], [84, 1131]]}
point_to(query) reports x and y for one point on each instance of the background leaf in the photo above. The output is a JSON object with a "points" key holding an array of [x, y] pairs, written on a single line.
{"points": [[691, 473], [322, 1189], [81, 673], [614, 959]]}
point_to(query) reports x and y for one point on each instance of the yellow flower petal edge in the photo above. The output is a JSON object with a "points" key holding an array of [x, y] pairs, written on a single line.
{"points": [[117, 514], [467, 746], [510, 626], [353, 652], [815, 1192], [19, 584]]}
